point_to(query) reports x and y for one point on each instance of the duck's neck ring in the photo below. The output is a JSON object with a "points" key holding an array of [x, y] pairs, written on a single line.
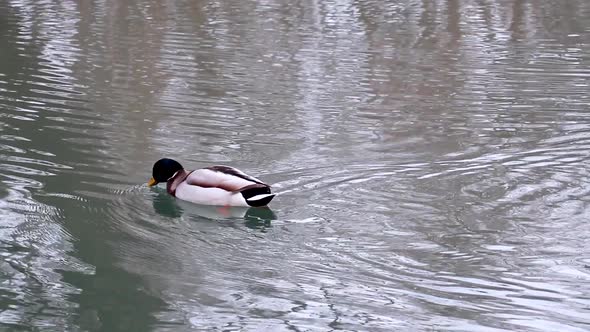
{"points": [[172, 177], [175, 180]]}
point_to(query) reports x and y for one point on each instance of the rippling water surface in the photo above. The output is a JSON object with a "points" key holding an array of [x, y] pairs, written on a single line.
{"points": [[431, 157]]}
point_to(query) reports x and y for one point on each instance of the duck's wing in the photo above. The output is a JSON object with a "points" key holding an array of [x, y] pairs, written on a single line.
{"points": [[231, 171], [223, 177]]}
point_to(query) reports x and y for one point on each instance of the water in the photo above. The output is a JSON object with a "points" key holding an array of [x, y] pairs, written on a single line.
{"points": [[432, 159]]}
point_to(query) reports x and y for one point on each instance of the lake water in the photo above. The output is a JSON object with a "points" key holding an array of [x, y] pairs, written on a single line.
{"points": [[432, 159]]}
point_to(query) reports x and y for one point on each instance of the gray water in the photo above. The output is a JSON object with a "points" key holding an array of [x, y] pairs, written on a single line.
{"points": [[432, 159]]}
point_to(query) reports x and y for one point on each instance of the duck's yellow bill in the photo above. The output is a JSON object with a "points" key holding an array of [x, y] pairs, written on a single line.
{"points": [[152, 182]]}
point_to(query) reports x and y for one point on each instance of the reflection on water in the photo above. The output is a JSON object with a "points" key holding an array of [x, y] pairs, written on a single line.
{"points": [[169, 207], [431, 157]]}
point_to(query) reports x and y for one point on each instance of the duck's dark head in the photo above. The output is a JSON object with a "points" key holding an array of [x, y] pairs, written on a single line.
{"points": [[163, 170]]}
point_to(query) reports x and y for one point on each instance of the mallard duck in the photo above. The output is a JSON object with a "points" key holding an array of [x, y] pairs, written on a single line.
{"points": [[215, 185]]}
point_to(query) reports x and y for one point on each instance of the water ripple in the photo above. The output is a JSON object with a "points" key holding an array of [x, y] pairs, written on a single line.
{"points": [[430, 157]]}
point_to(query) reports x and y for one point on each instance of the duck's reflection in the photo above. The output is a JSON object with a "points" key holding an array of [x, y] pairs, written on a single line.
{"points": [[255, 217], [166, 206]]}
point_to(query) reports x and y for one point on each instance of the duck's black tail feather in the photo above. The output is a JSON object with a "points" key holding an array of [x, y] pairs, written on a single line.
{"points": [[257, 195]]}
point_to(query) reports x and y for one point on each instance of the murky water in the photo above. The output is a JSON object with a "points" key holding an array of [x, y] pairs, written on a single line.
{"points": [[432, 158]]}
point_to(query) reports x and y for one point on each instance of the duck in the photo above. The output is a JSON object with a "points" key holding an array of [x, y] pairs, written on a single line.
{"points": [[215, 185]]}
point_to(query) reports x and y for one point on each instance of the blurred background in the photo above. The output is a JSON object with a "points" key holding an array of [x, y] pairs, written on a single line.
{"points": [[431, 158]]}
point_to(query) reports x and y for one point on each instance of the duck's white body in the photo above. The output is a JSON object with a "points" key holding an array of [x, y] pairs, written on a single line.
{"points": [[219, 185], [209, 196]]}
